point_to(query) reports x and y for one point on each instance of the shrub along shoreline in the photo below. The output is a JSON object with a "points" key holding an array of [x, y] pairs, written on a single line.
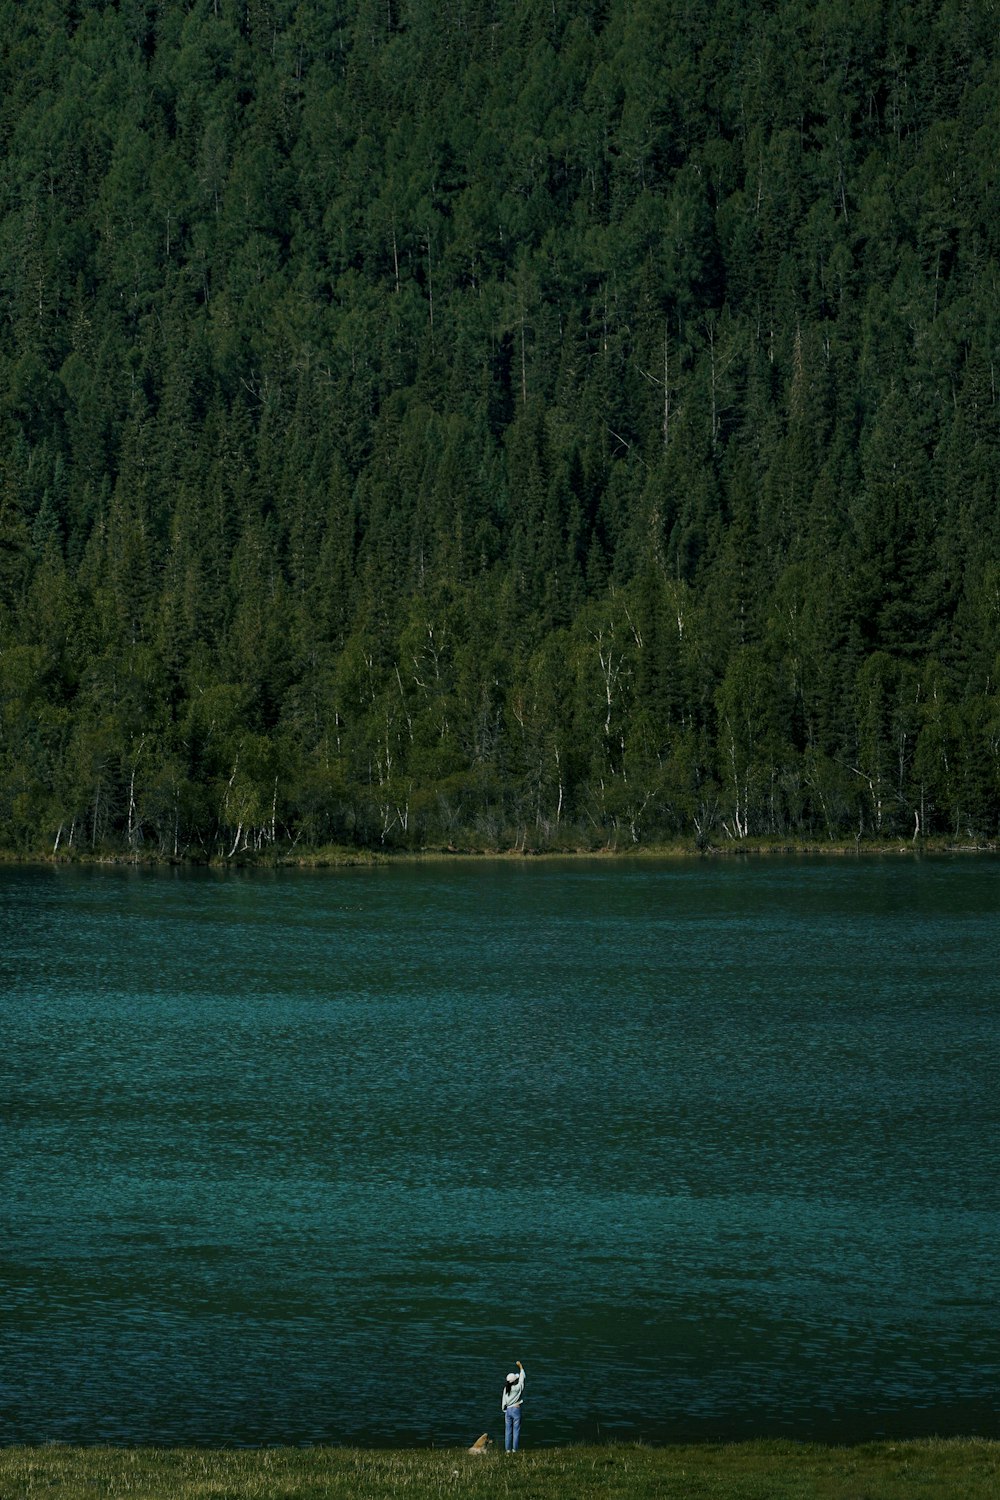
{"points": [[340, 856], [959, 1468]]}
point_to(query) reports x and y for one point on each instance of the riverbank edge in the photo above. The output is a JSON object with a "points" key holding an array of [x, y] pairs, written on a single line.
{"points": [[961, 1468], [337, 857]]}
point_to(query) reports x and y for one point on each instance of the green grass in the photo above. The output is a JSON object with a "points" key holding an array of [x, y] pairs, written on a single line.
{"points": [[961, 1469]]}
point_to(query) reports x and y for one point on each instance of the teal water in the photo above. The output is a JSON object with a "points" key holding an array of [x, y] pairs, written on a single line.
{"points": [[710, 1147]]}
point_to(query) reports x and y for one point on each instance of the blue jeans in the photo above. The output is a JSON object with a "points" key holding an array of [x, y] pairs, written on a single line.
{"points": [[512, 1428]]}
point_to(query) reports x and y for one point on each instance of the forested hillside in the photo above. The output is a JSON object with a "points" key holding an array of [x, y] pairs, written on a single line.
{"points": [[497, 423]]}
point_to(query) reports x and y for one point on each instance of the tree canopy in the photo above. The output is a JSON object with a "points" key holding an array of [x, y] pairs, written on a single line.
{"points": [[499, 423]]}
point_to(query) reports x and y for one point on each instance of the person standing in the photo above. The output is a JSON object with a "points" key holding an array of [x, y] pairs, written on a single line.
{"points": [[510, 1404]]}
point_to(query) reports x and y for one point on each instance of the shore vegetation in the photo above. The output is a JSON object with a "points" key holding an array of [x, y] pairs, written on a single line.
{"points": [[961, 1469]]}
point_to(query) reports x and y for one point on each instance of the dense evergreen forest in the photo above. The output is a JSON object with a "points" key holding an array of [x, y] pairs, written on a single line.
{"points": [[497, 423]]}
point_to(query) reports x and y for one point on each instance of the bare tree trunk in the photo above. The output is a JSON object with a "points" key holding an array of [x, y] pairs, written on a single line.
{"points": [[133, 826], [430, 284]]}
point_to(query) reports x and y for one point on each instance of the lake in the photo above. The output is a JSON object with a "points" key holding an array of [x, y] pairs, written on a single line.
{"points": [[711, 1146]]}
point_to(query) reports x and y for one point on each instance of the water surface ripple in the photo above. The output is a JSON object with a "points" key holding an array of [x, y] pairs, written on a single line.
{"points": [[710, 1146]]}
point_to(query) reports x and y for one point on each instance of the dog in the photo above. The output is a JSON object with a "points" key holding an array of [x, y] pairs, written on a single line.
{"points": [[480, 1445]]}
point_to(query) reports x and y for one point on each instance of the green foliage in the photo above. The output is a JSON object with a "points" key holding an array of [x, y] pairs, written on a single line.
{"points": [[497, 425]]}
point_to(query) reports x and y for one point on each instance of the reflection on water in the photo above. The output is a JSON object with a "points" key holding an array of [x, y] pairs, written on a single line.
{"points": [[709, 1146]]}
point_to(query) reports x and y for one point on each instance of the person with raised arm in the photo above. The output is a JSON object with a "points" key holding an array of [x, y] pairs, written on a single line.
{"points": [[510, 1404]]}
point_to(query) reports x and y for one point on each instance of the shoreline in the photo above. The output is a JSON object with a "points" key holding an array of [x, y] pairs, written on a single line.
{"points": [[334, 857], [905, 1469]]}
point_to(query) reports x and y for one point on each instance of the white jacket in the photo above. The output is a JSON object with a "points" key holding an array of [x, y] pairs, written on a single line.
{"points": [[513, 1396]]}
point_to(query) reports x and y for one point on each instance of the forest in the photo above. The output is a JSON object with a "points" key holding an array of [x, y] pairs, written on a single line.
{"points": [[497, 424]]}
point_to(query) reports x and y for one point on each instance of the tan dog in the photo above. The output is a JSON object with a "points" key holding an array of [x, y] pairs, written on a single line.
{"points": [[481, 1444]]}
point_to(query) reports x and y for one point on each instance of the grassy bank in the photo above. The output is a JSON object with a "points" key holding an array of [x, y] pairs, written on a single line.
{"points": [[961, 1469], [333, 856]]}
